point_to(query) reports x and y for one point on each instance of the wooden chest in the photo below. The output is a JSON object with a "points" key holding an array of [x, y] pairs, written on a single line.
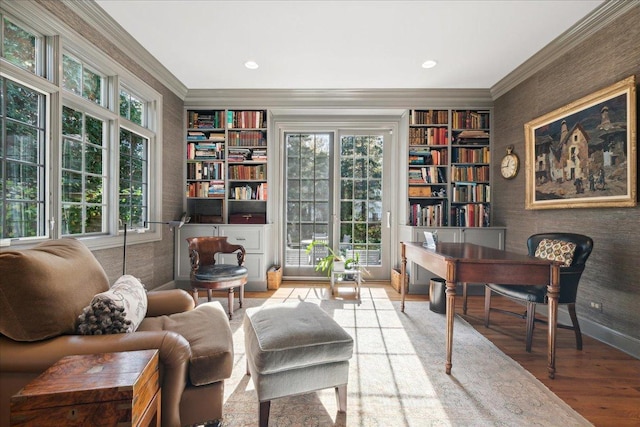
{"points": [[108, 389]]}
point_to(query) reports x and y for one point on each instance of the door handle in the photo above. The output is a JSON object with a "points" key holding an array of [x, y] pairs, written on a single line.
{"points": [[388, 219]]}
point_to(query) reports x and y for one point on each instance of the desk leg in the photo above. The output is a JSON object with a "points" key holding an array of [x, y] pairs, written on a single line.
{"points": [[403, 275], [451, 310], [553, 292]]}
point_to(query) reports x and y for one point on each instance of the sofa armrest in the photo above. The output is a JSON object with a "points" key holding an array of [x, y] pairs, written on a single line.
{"points": [[168, 302]]}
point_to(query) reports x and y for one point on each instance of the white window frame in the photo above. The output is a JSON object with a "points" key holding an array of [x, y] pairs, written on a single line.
{"points": [[58, 37]]}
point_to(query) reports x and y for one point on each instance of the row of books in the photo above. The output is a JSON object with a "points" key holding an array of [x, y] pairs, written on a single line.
{"points": [[471, 215], [470, 120], [252, 172], [427, 175], [428, 117], [249, 192], [470, 173], [196, 135], [471, 137], [471, 155], [428, 157], [205, 189], [465, 193], [205, 170], [205, 119], [247, 138], [205, 151], [246, 119], [428, 136], [429, 215]]}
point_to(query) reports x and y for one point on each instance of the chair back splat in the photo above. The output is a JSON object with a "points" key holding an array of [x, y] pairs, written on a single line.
{"points": [[570, 248]]}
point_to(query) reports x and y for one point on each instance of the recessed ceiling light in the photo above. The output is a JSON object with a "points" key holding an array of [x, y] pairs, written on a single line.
{"points": [[430, 63], [252, 65]]}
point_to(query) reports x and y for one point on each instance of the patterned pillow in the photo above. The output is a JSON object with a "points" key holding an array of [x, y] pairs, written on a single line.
{"points": [[121, 309], [556, 250]]}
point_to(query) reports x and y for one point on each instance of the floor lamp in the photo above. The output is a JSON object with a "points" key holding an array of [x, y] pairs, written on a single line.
{"points": [[184, 219]]}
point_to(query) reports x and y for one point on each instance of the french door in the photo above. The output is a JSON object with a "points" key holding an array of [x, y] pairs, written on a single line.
{"points": [[335, 192]]}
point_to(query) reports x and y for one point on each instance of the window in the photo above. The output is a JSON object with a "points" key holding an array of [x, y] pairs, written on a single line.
{"points": [[92, 160], [132, 108], [134, 192], [79, 79], [19, 46], [22, 161], [83, 192]]}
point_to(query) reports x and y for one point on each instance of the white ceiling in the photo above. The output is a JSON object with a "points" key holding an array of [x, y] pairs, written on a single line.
{"points": [[344, 44]]}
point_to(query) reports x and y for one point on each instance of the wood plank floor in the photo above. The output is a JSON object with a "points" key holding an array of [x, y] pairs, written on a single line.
{"points": [[599, 382]]}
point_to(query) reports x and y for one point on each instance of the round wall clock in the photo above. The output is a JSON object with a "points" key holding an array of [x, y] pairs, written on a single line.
{"points": [[510, 164]]}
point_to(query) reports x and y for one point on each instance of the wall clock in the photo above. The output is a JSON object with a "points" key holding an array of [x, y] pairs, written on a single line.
{"points": [[510, 164]]}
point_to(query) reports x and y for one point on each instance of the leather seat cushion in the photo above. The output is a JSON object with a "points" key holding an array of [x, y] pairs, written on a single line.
{"points": [[217, 272], [286, 336], [207, 329], [535, 294]]}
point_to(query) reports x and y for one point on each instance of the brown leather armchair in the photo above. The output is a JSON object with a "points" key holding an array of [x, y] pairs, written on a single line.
{"points": [[43, 290]]}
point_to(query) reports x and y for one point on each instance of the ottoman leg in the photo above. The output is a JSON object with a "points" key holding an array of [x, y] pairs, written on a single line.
{"points": [[264, 413], [341, 397]]}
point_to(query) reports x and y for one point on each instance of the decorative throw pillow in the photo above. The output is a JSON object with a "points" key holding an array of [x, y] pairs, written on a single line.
{"points": [[118, 310], [556, 250]]}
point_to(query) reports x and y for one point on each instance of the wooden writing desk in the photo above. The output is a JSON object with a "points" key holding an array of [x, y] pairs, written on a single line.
{"points": [[466, 262]]}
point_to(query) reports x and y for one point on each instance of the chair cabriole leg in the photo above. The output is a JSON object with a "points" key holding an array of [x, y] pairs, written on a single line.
{"points": [[487, 305], [576, 325], [531, 315]]}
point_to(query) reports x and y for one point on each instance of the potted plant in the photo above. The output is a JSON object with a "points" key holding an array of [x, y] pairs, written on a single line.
{"points": [[332, 261]]}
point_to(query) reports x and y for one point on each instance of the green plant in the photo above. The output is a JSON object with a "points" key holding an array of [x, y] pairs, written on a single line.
{"points": [[325, 263]]}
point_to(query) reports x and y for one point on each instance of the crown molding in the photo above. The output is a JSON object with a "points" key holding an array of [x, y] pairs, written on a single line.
{"points": [[602, 16], [339, 98], [94, 15]]}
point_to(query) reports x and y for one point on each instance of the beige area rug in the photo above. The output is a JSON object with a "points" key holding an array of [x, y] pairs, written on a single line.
{"points": [[397, 373]]}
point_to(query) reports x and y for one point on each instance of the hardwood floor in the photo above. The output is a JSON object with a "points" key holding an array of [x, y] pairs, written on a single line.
{"points": [[599, 382]]}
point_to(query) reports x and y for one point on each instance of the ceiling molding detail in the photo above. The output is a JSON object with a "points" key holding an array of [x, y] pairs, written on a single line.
{"points": [[95, 16], [339, 98], [602, 16]]}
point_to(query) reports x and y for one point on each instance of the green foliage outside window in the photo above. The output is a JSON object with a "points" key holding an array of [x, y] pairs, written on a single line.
{"points": [[21, 161], [133, 196], [77, 78], [19, 46]]}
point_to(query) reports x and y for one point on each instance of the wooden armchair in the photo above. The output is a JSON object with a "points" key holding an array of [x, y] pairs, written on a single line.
{"points": [[207, 274]]}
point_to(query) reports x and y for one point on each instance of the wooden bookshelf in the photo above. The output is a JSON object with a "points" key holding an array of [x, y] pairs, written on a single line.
{"points": [[226, 164], [449, 179]]}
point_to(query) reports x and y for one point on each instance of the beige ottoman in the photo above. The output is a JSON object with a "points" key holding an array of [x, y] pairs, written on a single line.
{"points": [[295, 348]]}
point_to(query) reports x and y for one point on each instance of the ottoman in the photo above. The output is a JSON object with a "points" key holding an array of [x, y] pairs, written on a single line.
{"points": [[295, 348]]}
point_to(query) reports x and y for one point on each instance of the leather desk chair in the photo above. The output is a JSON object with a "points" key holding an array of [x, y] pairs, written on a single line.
{"points": [[207, 274], [532, 295]]}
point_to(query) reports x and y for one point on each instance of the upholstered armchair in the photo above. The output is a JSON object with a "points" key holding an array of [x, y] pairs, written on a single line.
{"points": [[44, 292], [572, 250]]}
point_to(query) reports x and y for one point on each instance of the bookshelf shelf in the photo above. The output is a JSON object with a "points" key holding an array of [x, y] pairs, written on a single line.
{"points": [[448, 166], [226, 164]]}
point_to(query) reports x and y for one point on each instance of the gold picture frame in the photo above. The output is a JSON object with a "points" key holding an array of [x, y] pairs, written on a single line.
{"points": [[584, 154]]}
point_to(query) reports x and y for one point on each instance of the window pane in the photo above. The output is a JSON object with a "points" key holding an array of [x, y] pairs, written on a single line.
{"points": [[19, 46], [22, 166], [132, 108], [22, 104], [133, 178], [92, 86], [71, 75], [83, 181]]}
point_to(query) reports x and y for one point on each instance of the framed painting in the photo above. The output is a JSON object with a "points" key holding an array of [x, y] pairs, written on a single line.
{"points": [[584, 154]]}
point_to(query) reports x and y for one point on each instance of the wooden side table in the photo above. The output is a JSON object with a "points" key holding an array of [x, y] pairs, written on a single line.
{"points": [[106, 389]]}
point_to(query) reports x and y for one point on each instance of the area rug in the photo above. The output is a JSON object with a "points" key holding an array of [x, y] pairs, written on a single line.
{"points": [[397, 376]]}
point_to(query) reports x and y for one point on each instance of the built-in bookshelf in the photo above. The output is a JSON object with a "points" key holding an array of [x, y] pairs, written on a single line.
{"points": [[448, 168], [226, 165]]}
